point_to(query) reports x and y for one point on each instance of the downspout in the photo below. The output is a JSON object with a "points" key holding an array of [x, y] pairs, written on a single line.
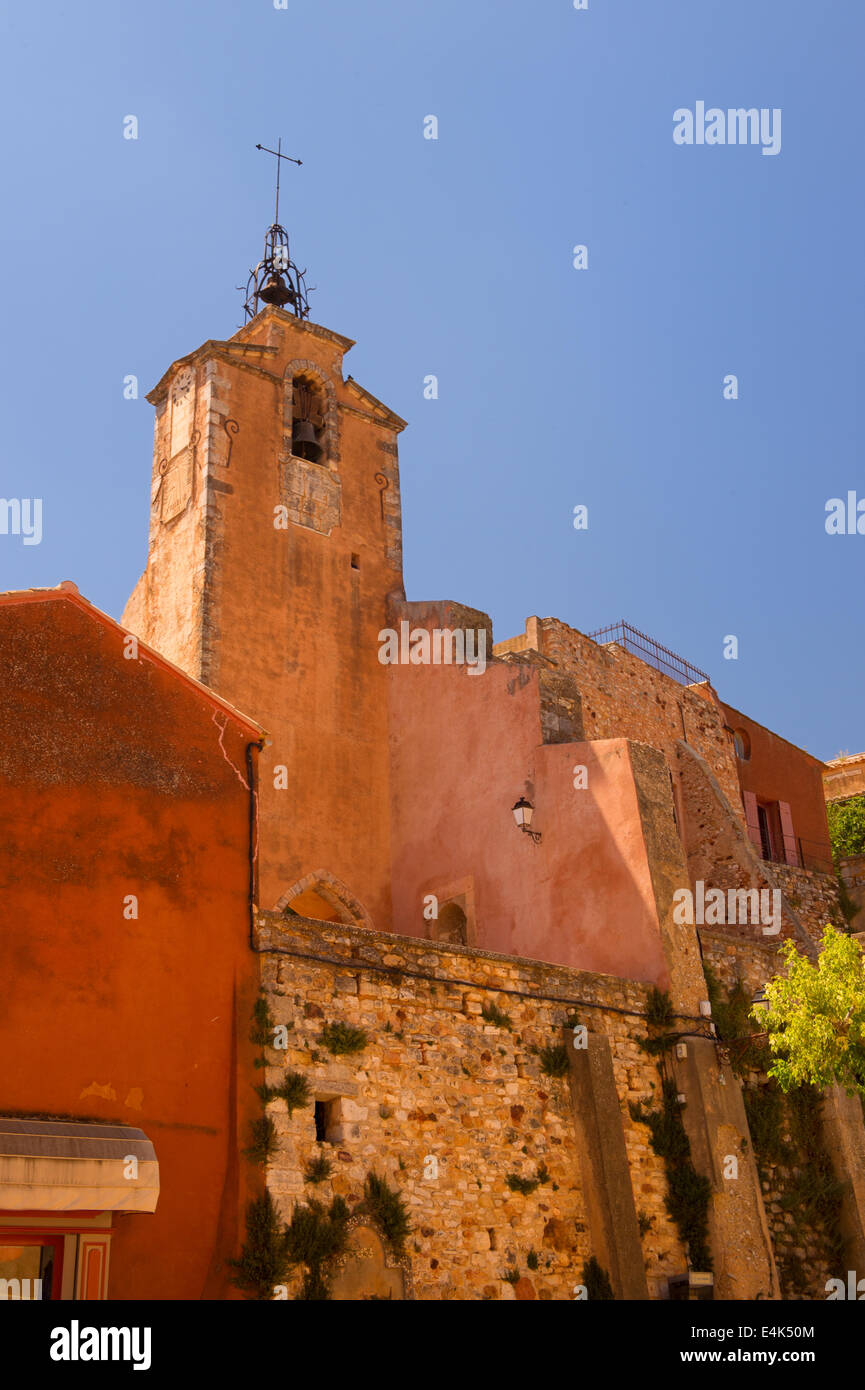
{"points": [[253, 834]]}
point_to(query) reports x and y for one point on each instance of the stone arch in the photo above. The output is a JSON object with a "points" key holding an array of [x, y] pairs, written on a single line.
{"points": [[368, 1270], [333, 895], [302, 366], [451, 924]]}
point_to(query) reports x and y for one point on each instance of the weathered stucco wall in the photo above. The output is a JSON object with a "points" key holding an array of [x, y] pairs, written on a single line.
{"points": [[464, 749], [280, 611], [118, 781], [776, 770]]}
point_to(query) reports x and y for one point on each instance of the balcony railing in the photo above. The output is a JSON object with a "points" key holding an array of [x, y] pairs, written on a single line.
{"points": [[811, 854], [650, 651]]}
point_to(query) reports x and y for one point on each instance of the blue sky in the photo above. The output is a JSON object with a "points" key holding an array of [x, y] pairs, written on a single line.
{"points": [[453, 257]]}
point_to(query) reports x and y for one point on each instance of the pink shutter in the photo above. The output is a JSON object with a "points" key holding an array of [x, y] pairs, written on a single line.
{"points": [[791, 854], [752, 820]]}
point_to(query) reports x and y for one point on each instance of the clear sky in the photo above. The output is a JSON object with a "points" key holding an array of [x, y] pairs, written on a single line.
{"points": [[454, 257]]}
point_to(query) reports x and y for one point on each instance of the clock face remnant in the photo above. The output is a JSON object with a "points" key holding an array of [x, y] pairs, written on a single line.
{"points": [[182, 386]]}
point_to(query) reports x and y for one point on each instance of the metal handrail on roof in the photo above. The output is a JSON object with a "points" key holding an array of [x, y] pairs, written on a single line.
{"points": [[647, 649]]}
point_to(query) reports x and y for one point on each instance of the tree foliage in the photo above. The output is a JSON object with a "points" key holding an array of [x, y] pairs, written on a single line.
{"points": [[816, 1017], [847, 826]]}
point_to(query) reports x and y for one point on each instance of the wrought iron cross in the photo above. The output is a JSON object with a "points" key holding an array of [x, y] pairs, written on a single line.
{"points": [[279, 156]]}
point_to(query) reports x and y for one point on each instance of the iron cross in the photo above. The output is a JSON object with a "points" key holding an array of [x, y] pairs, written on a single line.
{"points": [[279, 156]]}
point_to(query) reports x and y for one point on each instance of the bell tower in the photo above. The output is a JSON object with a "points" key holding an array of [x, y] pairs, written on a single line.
{"points": [[275, 542]]}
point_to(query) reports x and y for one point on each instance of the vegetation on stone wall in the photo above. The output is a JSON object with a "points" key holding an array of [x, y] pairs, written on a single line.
{"points": [[597, 1281], [554, 1060], [849, 908], [816, 1017], [264, 1259], [528, 1185], [688, 1192], [731, 1015], [387, 1209], [660, 1020], [262, 1025], [659, 1009], [786, 1133], [318, 1170], [315, 1239], [847, 826], [293, 1088], [263, 1140], [490, 1013], [342, 1040]]}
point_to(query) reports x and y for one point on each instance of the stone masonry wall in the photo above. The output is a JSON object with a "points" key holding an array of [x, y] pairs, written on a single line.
{"points": [[796, 1164], [722, 856], [624, 697], [436, 1080]]}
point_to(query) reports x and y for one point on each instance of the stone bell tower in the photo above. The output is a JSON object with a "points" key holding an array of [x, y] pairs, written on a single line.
{"points": [[275, 540]]}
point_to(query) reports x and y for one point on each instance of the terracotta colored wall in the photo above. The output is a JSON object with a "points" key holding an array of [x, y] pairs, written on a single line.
{"points": [[464, 749], [290, 632], [779, 771], [117, 778]]}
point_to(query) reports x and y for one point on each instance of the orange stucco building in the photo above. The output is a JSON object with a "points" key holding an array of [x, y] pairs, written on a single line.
{"points": [[274, 575], [544, 799], [128, 978], [782, 795]]}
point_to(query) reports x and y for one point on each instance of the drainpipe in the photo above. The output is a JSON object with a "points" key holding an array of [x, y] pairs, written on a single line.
{"points": [[253, 832]]}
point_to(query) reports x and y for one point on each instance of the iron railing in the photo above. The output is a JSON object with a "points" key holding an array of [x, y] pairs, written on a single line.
{"points": [[811, 854], [650, 651]]}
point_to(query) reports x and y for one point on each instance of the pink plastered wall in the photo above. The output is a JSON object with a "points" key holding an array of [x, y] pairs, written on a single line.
{"points": [[464, 748]]}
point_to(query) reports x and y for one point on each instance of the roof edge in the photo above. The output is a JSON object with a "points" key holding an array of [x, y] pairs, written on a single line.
{"points": [[68, 592]]}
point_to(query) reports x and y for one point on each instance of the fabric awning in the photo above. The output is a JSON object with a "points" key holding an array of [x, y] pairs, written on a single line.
{"points": [[56, 1165]]}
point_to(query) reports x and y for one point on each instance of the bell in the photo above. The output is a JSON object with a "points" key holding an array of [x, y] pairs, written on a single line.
{"points": [[303, 441], [275, 291]]}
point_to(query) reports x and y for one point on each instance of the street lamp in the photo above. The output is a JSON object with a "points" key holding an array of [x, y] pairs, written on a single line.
{"points": [[523, 811]]}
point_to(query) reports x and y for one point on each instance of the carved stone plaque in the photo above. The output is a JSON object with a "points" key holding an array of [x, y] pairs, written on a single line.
{"points": [[311, 494], [176, 485]]}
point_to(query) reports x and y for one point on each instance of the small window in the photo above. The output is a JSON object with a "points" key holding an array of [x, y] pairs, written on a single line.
{"points": [[742, 744], [355, 562], [328, 1121], [321, 1121]]}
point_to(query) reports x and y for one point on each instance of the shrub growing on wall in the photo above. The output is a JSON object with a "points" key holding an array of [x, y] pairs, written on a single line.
{"points": [[847, 826], [816, 1017], [264, 1258]]}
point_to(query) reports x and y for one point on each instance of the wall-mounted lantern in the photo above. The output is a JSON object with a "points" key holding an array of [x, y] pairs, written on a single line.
{"points": [[523, 812], [760, 1002]]}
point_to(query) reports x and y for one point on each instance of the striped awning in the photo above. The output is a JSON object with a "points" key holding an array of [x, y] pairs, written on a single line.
{"points": [[57, 1165]]}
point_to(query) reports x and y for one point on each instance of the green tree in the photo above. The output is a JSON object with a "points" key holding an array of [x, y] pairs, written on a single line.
{"points": [[816, 1017], [847, 826]]}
